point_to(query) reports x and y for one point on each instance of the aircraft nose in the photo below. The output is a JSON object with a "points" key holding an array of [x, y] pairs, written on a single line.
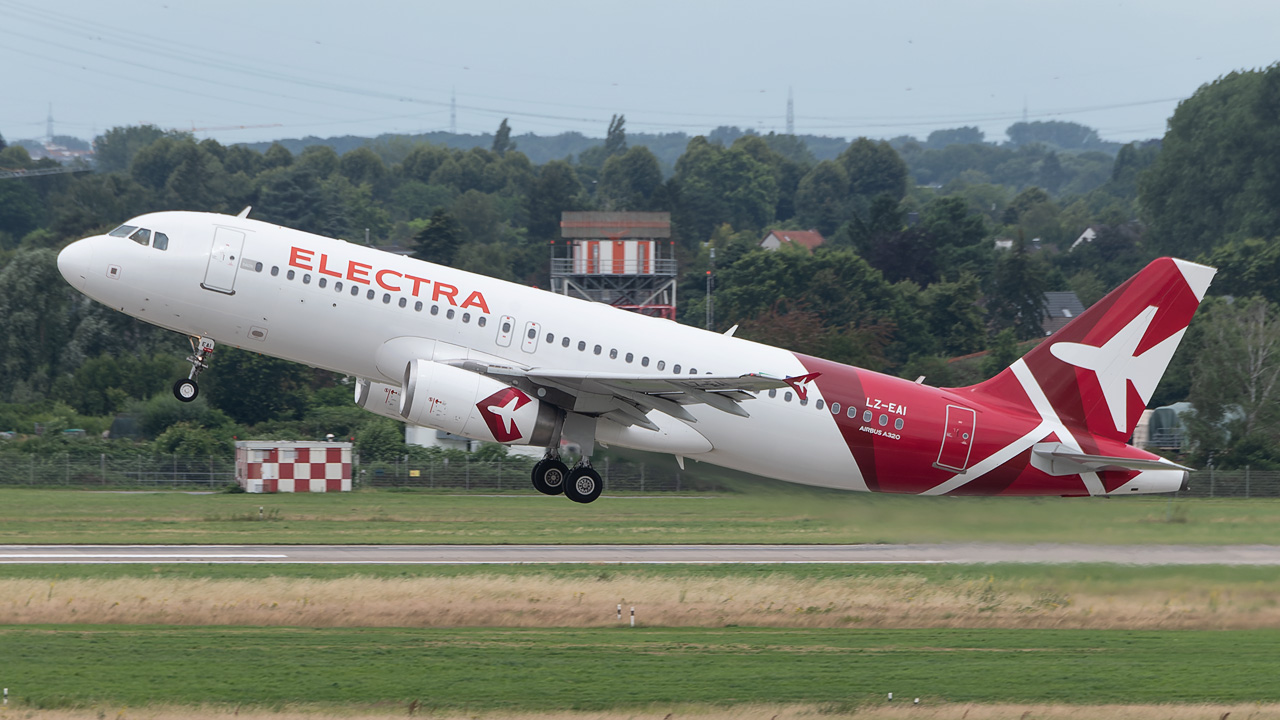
{"points": [[74, 261]]}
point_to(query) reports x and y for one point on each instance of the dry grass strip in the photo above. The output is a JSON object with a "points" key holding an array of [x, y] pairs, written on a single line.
{"points": [[898, 711], [541, 601]]}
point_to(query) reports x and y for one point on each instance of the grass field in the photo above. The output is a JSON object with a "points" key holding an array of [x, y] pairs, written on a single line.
{"points": [[804, 596], [537, 669], [772, 515]]}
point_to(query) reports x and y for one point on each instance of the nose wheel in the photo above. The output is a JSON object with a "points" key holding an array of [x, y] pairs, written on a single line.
{"points": [[186, 389]]}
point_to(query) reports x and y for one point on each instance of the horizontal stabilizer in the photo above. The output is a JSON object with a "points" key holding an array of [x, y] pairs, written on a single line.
{"points": [[1058, 459]]}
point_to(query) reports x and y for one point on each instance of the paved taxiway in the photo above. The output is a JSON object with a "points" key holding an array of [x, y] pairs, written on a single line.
{"points": [[646, 554]]}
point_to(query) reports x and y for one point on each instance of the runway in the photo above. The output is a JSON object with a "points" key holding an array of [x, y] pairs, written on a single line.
{"points": [[956, 553]]}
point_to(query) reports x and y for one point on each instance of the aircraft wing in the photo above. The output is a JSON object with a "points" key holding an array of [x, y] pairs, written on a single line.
{"points": [[627, 398]]}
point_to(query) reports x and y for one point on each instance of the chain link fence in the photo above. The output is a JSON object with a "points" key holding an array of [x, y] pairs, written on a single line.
{"points": [[467, 474], [1210, 483], [514, 473], [163, 471]]}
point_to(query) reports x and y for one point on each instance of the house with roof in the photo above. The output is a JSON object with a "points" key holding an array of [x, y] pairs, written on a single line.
{"points": [[1060, 308], [808, 239]]}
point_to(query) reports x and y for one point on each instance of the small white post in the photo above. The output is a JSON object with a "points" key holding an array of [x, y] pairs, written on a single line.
{"points": [[260, 512], [6, 696], [619, 612], [890, 696], [633, 616]]}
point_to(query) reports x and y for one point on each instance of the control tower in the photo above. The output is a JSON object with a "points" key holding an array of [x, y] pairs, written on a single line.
{"points": [[625, 259]]}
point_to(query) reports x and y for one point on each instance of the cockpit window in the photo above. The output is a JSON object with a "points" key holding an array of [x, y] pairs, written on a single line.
{"points": [[162, 243], [123, 231], [142, 237]]}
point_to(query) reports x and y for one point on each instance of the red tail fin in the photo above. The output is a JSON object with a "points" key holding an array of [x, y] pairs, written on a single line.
{"points": [[1100, 370]]}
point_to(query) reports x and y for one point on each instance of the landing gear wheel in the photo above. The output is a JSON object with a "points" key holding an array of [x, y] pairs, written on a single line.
{"points": [[549, 475], [583, 484], [186, 390]]}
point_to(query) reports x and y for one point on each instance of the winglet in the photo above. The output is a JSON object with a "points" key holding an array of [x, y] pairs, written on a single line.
{"points": [[245, 212]]}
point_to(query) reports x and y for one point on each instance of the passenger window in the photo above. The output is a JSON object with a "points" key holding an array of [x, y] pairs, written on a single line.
{"points": [[786, 397], [123, 231], [582, 346], [644, 361], [533, 333], [275, 270], [417, 307], [257, 267], [804, 401], [306, 278], [676, 369], [506, 327], [290, 275], [450, 313], [773, 392], [835, 408], [404, 302], [662, 364], [884, 419], [818, 404], [564, 342], [466, 317], [852, 412], [866, 416], [322, 282], [142, 237], [386, 298], [435, 309], [551, 338], [162, 243], [337, 286], [355, 290], [613, 353], [897, 424], [597, 349], [481, 321], [630, 357], [693, 371]]}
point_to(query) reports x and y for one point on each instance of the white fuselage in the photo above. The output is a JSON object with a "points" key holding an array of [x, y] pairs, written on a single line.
{"points": [[288, 294]]}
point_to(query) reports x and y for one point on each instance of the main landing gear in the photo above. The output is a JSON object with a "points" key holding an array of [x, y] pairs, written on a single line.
{"points": [[186, 389], [551, 476]]}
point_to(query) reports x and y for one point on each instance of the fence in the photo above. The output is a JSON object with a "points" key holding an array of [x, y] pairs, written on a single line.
{"points": [[164, 471], [1210, 483], [514, 473], [510, 473]]}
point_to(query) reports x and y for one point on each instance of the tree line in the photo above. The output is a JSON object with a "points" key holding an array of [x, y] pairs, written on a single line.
{"points": [[910, 277]]}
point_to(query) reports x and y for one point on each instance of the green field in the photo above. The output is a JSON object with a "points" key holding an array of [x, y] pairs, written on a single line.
{"points": [[53, 666], [769, 515]]}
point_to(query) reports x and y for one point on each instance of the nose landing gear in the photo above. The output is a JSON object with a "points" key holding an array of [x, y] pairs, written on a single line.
{"points": [[186, 389]]}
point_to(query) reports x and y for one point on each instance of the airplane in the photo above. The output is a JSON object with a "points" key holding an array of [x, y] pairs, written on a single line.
{"points": [[496, 361]]}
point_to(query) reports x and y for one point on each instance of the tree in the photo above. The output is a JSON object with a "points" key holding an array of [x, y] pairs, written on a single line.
{"points": [[874, 168], [439, 240], [380, 441], [821, 197], [1248, 267], [556, 190], [3, 144], [714, 186], [362, 166], [33, 302], [502, 139], [631, 181], [114, 150], [615, 142], [1217, 176], [254, 388], [967, 135], [20, 211], [1234, 382], [1016, 298], [1058, 133]]}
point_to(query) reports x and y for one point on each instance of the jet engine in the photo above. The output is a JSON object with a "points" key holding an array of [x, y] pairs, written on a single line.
{"points": [[379, 398], [476, 406]]}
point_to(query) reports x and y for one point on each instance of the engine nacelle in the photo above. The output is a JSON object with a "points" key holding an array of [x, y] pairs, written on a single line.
{"points": [[476, 406], [379, 398]]}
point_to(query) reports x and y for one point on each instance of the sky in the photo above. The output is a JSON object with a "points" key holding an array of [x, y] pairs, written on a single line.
{"points": [[254, 70]]}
